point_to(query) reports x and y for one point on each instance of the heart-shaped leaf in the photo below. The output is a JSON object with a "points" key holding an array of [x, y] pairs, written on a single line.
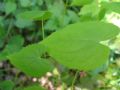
{"points": [[30, 60], [77, 46]]}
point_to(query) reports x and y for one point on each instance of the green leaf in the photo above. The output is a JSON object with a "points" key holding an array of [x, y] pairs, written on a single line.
{"points": [[81, 2], [113, 6], [2, 36], [25, 3], [52, 24], [82, 55], [40, 2], [2, 32], [34, 15], [21, 23], [73, 16], [30, 60], [14, 45], [1, 19], [58, 17], [35, 87], [77, 46], [90, 9], [91, 30], [30, 3], [10, 7], [7, 85]]}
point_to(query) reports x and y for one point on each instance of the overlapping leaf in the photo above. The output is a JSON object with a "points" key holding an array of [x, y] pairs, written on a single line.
{"points": [[77, 46], [30, 61]]}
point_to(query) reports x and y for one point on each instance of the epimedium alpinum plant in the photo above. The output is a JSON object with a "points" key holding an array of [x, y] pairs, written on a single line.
{"points": [[67, 51], [76, 46], [73, 39]]}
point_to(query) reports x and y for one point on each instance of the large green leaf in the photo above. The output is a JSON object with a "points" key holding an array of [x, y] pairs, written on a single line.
{"points": [[95, 31], [77, 46], [80, 55], [30, 60], [34, 15]]}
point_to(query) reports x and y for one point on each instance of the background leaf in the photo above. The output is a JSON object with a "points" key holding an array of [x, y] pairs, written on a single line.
{"points": [[34, 15], [10, 7], [113, 6], [35, 87], [7, 85], [14, 45], [25, 3], [81, 2], [91, 10]]}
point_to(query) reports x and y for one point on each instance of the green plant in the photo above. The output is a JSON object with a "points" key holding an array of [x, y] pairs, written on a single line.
{"points": [[78, 43]]}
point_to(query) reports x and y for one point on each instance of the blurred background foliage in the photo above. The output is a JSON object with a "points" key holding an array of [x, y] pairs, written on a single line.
{"points": [[21, 25]]}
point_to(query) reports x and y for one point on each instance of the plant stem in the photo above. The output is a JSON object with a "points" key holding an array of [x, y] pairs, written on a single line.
{"points": [[43, 31], [73, 82], [66, 5], [9, 28]]}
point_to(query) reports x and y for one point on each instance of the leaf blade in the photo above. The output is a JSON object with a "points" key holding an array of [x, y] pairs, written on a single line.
{"points": [[29, 59], [77, 45]]}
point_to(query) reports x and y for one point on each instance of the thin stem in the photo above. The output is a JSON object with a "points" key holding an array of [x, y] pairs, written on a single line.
{"points": [[16, 76], [43, 31], [9, 28], [66, 5], [73, 82]]}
